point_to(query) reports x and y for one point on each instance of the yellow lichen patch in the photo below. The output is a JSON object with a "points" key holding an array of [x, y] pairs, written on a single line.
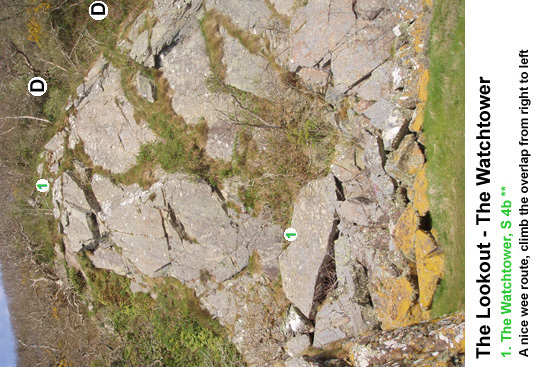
{"points": [[420, 196], [416, 125], [395, 304], [425, 315], [423, 84], [404, 232], [430, 267]]}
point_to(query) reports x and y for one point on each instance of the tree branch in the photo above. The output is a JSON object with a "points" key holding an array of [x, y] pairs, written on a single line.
{"points": [[25, 117]]}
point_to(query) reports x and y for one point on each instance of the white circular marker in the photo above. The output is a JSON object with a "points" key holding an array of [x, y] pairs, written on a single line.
{"points": [[42, 185], [290, 234], [37, 86], [98, 10]]}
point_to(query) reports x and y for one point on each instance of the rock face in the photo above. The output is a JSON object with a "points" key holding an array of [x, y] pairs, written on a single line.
{"points": [[174, 21], [365, 261], [186, 67], [319, 17], [105, 121]]}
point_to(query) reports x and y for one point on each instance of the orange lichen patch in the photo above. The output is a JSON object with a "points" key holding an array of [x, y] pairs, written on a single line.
{"points": [[430, 266], [420, 196], [404, 232], [395, 304]]}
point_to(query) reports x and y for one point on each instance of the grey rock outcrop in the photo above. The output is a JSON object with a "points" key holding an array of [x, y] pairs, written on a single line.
{"points": [[74, 213], [357, 265], [105, 122], [251, 15], [245, 71], [186, 67], [179, 227], [333, 20], [175, 19]]}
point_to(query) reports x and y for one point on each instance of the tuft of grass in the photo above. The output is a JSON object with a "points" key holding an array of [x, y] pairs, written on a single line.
{"points": [[444, 126], [252, 42], [255, 265], [215, 44]]}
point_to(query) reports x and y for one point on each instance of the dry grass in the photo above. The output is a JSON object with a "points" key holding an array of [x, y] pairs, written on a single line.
{"points": [[215, 44]]}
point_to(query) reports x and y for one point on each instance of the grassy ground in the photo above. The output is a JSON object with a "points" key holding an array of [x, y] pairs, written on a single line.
{"points": [[445, 135]]}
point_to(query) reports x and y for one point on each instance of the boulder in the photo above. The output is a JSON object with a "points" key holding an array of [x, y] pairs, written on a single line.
{"points": [[145, 87], [301, 362], [406, 162], [420, 192], [135, 224], [369, 9], [111, 258], [330, 320], [141, 51], [284, 7], [346, 166], [296, 323], [363, 212], [297, 346], [315, 79], [373, 161], [55, 149], [378, 85], [430, 266], [246, 304], [404, 232], [315, 223], [250, 15], [74, 212], [392, 289], [358, 56], [388, 120]]}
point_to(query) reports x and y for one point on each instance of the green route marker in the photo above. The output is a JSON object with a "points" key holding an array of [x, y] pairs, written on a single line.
{"points": [[42, 185], [290, 234]]}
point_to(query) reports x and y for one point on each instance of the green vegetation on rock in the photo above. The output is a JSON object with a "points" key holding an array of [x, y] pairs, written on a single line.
{"points": [[171, 327]]}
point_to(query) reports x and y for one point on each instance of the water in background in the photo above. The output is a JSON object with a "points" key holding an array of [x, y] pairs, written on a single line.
{"points": [[7, 341]]}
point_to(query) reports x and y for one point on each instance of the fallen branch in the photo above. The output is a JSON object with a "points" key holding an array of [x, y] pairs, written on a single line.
{"points": [[25, 117]]}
